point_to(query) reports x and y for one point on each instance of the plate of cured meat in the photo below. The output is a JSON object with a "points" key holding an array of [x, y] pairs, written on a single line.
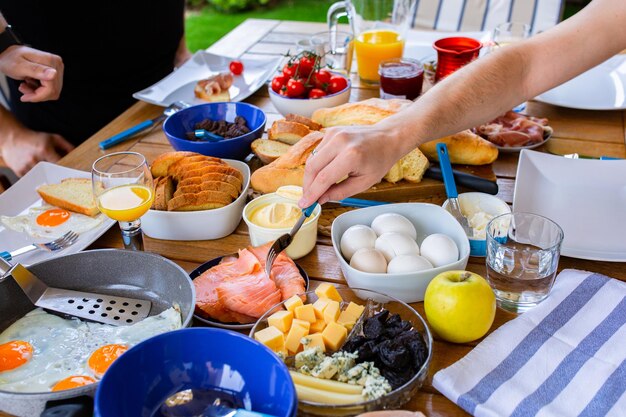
{"points": [[233, 291], [512, 132], [206, 77]]}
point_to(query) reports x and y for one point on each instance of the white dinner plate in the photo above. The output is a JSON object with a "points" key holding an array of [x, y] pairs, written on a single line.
{"points": [[23, 195], [179, 85], [586, 197], [601, 88]]}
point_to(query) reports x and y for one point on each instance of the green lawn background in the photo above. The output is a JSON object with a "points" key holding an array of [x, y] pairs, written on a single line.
{"points": [[205, 26]]}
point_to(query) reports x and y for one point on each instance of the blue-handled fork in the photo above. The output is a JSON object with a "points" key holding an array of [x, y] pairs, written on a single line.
{"points": [[63, 242]]}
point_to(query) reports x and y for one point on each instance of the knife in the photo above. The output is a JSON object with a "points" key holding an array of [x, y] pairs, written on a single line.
{"points": [[466, 180]]}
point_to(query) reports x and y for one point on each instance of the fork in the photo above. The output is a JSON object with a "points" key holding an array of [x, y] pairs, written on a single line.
{"points": [[286, 239], [63, 242]]}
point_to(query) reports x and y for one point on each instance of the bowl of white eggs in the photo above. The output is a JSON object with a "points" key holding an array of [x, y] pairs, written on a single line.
{"points": [[397, 249]]}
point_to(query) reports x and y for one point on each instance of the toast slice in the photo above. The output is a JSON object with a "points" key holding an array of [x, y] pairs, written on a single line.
{"points": [[204, 200], [162, 163], [303, 120], [221, 169], [163, 193], [178, 171], [287, 132], [74, 194], [212, 176], [208, 186], [269, 150]]}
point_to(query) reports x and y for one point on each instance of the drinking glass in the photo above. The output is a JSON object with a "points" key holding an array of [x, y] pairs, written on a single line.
{"points": [[523, 252], [401, 78], [453, 53], [336, 49], [379, 28], [510, 32], [124, 190]]}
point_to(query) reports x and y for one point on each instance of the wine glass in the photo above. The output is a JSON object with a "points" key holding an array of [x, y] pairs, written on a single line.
{"points": [[123, 189]]}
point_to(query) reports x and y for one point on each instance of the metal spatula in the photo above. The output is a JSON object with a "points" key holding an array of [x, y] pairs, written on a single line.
{"points": [[100, 308]]}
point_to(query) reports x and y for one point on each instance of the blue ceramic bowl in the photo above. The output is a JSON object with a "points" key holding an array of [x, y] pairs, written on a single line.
{"points": [[183, 121], [138, 383]]}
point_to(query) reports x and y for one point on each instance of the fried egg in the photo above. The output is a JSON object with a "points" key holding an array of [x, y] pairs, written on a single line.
{"points": [[42, 352], [50, 222]]}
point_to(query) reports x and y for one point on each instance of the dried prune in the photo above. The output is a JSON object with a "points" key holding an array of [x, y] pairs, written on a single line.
{"points": [[393, 354], [375, 325], [354, 343], [395, 325]]}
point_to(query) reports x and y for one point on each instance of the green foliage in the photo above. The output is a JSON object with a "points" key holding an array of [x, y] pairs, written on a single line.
{"points": [[229, 6]]}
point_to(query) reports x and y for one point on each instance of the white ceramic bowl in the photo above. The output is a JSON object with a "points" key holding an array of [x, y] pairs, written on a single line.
{"points": [[306, 106], [202, 224], [303, 242], [472, 203], [427, 219]]}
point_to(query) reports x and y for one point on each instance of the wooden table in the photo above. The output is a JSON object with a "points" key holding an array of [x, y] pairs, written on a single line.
{"points": [[586, 132]]}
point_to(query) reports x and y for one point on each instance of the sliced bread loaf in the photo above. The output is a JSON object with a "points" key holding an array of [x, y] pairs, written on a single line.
{"points": [[203, 200]]}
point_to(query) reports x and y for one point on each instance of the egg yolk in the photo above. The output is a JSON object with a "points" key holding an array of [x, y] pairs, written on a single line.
{"points": [[53, 217], [73, 381], [103, 357], [14, 354]]}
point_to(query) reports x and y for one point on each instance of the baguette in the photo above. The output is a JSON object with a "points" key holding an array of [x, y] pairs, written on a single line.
{"points": [[74, 194], [287, 132], [204, 200], [269, 150], [463, 148], [365, 112]]}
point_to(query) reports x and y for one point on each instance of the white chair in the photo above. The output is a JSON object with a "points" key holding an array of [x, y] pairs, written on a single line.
{"points": [[484, 15]]}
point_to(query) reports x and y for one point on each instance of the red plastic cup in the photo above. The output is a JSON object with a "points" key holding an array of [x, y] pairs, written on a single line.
{"points": [[453, 53]]}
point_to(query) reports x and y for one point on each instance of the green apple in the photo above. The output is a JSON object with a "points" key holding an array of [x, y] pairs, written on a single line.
{"points": [[460, 306]]}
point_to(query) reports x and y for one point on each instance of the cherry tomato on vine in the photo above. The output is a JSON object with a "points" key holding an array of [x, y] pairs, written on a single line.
{"points": [[278, 82], [236, 67], [307, 64], [337, 83], [290, 69], [317, 93], [295, 88], [321, 79]]}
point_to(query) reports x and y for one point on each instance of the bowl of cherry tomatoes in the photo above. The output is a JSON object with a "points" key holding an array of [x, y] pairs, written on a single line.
{"points": [[305, 85]]}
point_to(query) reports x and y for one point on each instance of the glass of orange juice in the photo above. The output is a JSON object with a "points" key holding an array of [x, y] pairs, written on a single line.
{"points": [[379, 28], [124, 191]]}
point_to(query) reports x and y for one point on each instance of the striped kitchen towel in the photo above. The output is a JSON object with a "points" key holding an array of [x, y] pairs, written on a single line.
{"points": [[565, 357]]}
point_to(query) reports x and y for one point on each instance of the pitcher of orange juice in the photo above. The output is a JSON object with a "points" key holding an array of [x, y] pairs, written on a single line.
{"points": [[379, 28]]}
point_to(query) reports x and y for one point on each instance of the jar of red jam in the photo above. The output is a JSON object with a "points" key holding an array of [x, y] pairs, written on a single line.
{"points": [[401, 78]]}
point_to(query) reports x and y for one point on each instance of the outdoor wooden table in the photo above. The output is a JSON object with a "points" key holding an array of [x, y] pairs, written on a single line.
{"points": [[593, 133]]}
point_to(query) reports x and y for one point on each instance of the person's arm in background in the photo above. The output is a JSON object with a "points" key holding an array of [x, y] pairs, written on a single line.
{"points": [[20, 147], [182, 53], [41, 72], [471, 96]]}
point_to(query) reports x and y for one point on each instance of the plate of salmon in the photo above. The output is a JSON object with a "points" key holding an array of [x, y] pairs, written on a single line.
{"points": [[233, 291]]}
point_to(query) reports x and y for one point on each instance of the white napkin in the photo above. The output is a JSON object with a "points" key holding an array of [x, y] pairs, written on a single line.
{"points": [[565, 357]]}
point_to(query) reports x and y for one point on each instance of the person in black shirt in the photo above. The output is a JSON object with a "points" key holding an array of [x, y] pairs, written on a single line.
{"points": [[109, 49]]}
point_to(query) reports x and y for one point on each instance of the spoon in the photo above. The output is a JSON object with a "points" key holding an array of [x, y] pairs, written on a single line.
{"points": [[204, 134]]}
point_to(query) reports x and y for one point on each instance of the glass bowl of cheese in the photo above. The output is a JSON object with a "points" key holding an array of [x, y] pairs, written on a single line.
{"points": [[348, 350]]}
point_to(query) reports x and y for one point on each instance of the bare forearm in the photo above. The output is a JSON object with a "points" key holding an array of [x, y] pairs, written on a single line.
{"points": [[9, 126]]}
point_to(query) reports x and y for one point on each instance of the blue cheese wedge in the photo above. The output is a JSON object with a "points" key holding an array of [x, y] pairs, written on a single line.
{"points": [[309, 358], [375, 387]]}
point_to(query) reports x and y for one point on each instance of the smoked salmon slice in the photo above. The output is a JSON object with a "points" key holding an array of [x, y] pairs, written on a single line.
{"points": [[284, 273]]}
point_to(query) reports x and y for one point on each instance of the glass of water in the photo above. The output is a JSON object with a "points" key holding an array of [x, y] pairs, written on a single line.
{"points": [[523, 252], [336, 49]]}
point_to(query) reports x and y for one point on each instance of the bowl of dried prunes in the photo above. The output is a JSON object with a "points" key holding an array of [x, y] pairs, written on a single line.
{"points": [[378, 362], [222, 130]]}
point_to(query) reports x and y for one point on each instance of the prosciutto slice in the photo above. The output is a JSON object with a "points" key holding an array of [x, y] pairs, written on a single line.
{"points": [[514, 130]]}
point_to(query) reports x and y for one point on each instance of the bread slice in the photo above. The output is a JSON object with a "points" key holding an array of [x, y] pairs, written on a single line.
{"points": [[178, 171], [212, 176], [366, 112], [414, 164], [221, 169], [269, 150], [303, 120], [287, 132], [75, 194], [162, 163], [163, 192], [395, 173], [192, 159], [204, 200], [208, 186]]}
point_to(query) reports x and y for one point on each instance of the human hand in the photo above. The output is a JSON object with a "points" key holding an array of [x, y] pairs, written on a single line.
{"points": [[41, 72], [347, 161], [21, 151]]}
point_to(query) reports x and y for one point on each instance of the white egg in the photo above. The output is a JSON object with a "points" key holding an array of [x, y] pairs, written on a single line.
{"points": [[369, 260], [408, 263], [440, 249], [393, 244], [62, 347], [356, 237], [51, 222], [392, 222]]}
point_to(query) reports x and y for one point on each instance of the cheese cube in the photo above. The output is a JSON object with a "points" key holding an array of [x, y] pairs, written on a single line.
{"points": [[326, 290], [281, 320], [316, 340], [319, 307], [331, 312], [317, 327], [354, 310], [292, 342], [292, 303], [306, 312], [301, 323], [346, 320], [272, 338], [334, 335]]}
